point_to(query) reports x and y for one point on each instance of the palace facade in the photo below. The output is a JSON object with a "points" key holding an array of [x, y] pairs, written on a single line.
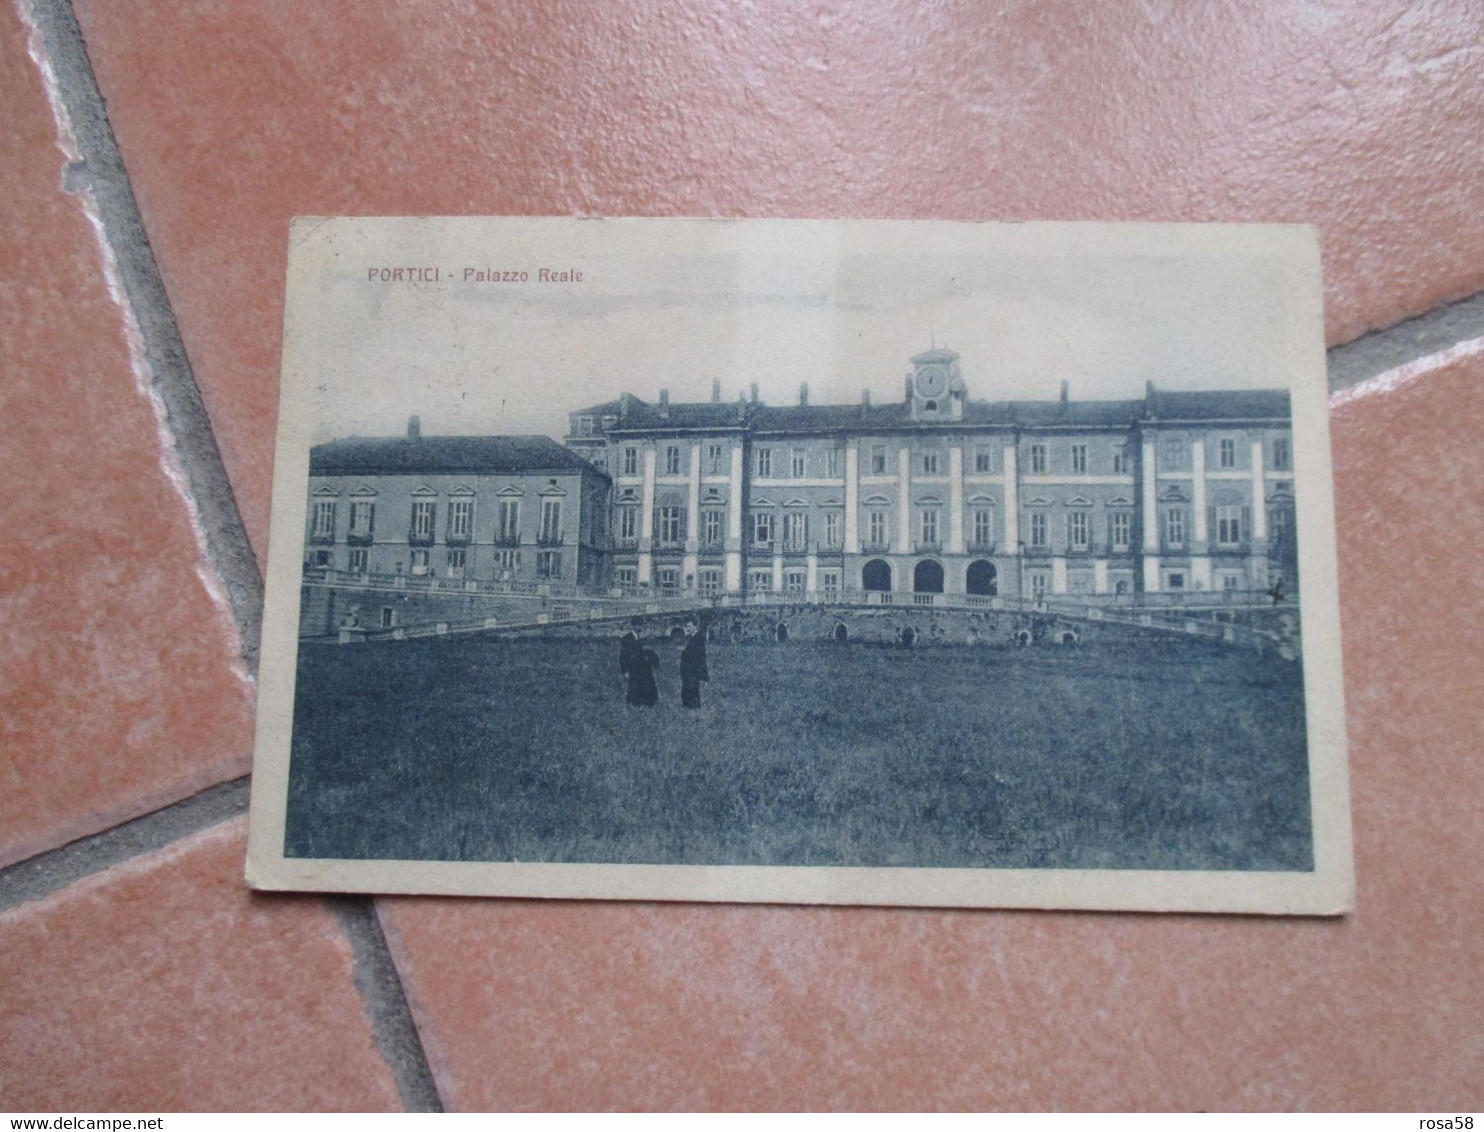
{"points": [[1174, 492], [938, 493]]}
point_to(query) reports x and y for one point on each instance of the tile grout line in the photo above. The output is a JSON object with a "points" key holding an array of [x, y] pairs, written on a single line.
{"points": [[1442, 328], [55, 869], [99, 174], [379, 981]]}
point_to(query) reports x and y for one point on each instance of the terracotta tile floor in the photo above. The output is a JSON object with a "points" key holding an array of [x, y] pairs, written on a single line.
{"points": [[159, 983]]}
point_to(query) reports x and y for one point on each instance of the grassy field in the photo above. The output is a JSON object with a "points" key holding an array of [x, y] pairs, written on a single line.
{"points": [[1144, 754]]}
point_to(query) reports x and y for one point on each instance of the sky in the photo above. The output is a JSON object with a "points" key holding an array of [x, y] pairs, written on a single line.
{"points": [[840, 307]]}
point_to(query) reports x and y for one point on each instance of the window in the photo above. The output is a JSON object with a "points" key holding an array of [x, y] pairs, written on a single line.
{"points": [[358, 560], [878, 460], [929, 523], [423, 511], [984, 461], [798, 463], [832, 529], [877, 527], [981, 520], [930, 463], [1227, 452], [1231, 582], [1280, 517], [460, 519], [832, 462], [1172, 452], [715, 460], [672, 459], [761, 580], [1077, 530], [829, 581], [1120, 526], [1176, 580], [1282, 456], [508, 562], [710, 581], [324, 519], [795, 530], [507, 524], [1038, 582], [419, 562], [362, 518], [1038, 459], [628, 526], [668, 578], [1079, 459], [1229, 525], [548, 564], [456, 561], [670, 524], [1120, 460], [584, 426], [711, 526], [794, 581], [551, 520], [762, 528], [631, 461], [1174, 526], [388, 617], [1038, 528], [764, 463], [321, 560], [625, 576]]}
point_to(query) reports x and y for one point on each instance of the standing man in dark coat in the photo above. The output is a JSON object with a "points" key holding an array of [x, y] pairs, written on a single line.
{"points": [[636, 667], [693, 666]]}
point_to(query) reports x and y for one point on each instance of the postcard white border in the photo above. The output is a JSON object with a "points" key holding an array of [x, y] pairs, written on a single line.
{"points": [[1327, 890]]}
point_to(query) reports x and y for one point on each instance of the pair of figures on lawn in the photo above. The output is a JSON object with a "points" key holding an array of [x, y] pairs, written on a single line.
{"points": [[638, 665]]}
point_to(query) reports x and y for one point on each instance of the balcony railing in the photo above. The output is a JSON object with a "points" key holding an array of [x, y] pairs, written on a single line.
{"points": [[929, 546], [458, 540], [876, 548], [507, 538], [322, 538], [978, 547], [423, 539], [358, 538], [550, 538]]}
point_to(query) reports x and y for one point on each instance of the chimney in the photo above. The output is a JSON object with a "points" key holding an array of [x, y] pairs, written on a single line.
{"points": [[624, 401], [909, 388], [753, 389], [664, 396], [414, 428], [1063, 392], [803, 393], [664, 404], [865, 398], [716, 391]]}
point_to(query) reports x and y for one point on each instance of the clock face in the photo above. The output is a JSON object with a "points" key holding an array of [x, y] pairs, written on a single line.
{"points": [[932, 381]]}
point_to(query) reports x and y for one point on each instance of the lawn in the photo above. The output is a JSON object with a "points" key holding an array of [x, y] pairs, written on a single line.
{"points": [[1150, 754]]}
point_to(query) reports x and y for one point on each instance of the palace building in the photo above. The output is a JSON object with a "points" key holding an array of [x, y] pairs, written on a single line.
{"points": [[520, 509], [939, 493], [1174, 492]]}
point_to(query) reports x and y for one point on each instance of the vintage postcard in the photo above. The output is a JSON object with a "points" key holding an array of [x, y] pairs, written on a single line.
{"points": [[796, 561]]}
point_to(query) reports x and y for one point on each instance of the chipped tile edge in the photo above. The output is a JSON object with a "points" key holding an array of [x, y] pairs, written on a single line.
{"points": [[93, 173], [1393, 379]]}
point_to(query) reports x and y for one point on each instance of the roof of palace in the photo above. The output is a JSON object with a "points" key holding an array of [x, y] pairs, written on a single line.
{"points": [[630, 414], [487, 455]]}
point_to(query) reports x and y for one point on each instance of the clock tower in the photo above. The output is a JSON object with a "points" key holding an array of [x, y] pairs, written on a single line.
{"points": [[935, 387]]}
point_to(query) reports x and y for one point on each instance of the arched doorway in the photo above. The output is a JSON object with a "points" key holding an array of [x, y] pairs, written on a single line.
{"points": [[841, 632], [981, 578], [927, 578], [876, 575]]}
